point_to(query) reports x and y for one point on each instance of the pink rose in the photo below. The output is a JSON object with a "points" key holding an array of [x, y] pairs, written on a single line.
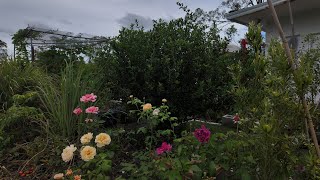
{"points": [[77, 111], [165, 147], [88, 98], [202, 134], [92, 110]]}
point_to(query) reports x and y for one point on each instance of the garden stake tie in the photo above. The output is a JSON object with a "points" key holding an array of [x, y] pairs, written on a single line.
{"points": [[290, 61]]}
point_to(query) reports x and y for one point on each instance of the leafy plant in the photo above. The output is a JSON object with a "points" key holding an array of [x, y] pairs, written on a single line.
{"points": [[151, 118], [183, 60]]}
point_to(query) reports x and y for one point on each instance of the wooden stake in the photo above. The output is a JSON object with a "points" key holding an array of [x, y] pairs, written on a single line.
{"points": [[293, 67]]}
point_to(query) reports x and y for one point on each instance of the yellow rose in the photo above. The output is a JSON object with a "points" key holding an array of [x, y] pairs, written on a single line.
{"points": [[102, 139], [58, 176], [87, 153], [85, 139], [147, 107], [67, 153]]}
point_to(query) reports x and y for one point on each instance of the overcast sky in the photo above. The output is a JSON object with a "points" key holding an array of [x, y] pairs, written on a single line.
{"points": [[95, 17]]}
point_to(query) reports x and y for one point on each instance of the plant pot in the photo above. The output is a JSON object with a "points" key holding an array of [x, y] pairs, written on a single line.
{"points": [[227, 120]]}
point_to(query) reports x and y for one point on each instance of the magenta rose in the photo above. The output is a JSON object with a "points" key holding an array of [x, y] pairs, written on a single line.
{"points": [[165, 147], [202, 134]]}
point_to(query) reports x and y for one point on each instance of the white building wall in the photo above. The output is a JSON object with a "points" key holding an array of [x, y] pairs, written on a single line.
{"points": [[304, 23]]}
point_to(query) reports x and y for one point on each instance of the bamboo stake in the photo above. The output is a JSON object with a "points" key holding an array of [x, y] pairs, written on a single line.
{"points": [[293, 67]]}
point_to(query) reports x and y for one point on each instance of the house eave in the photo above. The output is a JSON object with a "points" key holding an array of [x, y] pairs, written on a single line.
{"points": [[232, 16]]}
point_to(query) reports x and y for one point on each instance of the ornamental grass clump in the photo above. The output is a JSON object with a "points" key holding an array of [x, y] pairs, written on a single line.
{"points": [[60, 100]]}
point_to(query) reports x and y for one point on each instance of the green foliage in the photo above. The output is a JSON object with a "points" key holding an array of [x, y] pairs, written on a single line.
{"points": [[52, 60], [19, 40], [20, 116], [20, 107], [267, 98], [260, 155], [16, 77], [60, 99], [185, 61], [100, 167], [180, 60], [55, 59]]}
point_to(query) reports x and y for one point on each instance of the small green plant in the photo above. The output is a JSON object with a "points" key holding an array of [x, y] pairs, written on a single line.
{"points": [[151, 118]]}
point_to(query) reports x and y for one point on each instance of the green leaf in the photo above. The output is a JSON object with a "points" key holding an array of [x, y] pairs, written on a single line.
{"points": [[174, 175], [142, 130], [106, 166], [177, 140], [102, 155], [110, 154], [245, 175], [179, 150], [195, 168], [212, 168], [175, 124]]}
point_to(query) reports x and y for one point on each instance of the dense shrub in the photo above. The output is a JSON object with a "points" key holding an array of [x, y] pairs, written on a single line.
{"points": [[16, 77], [180, 60]]}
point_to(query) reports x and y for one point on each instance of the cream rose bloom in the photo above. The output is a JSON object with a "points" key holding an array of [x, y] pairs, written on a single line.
{"points": [[58, 176], [87, 153], [67, 153], [102, 139], [156, 112], [85, 139]]}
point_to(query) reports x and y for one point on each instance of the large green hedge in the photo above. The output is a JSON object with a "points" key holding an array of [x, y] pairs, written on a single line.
{"points": [[181, 60]]}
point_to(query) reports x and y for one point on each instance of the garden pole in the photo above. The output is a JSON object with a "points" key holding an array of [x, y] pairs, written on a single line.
{"points": [[293, 67]]}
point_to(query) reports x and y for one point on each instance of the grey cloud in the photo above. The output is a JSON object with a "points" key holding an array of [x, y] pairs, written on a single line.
{"points": [[65, 22], [39, 25], [6, 30], [130, 18], [96, 17]]}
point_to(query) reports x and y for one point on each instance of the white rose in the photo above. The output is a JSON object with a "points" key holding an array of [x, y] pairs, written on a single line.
{"points": [[156, 112], [67, 153]]}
